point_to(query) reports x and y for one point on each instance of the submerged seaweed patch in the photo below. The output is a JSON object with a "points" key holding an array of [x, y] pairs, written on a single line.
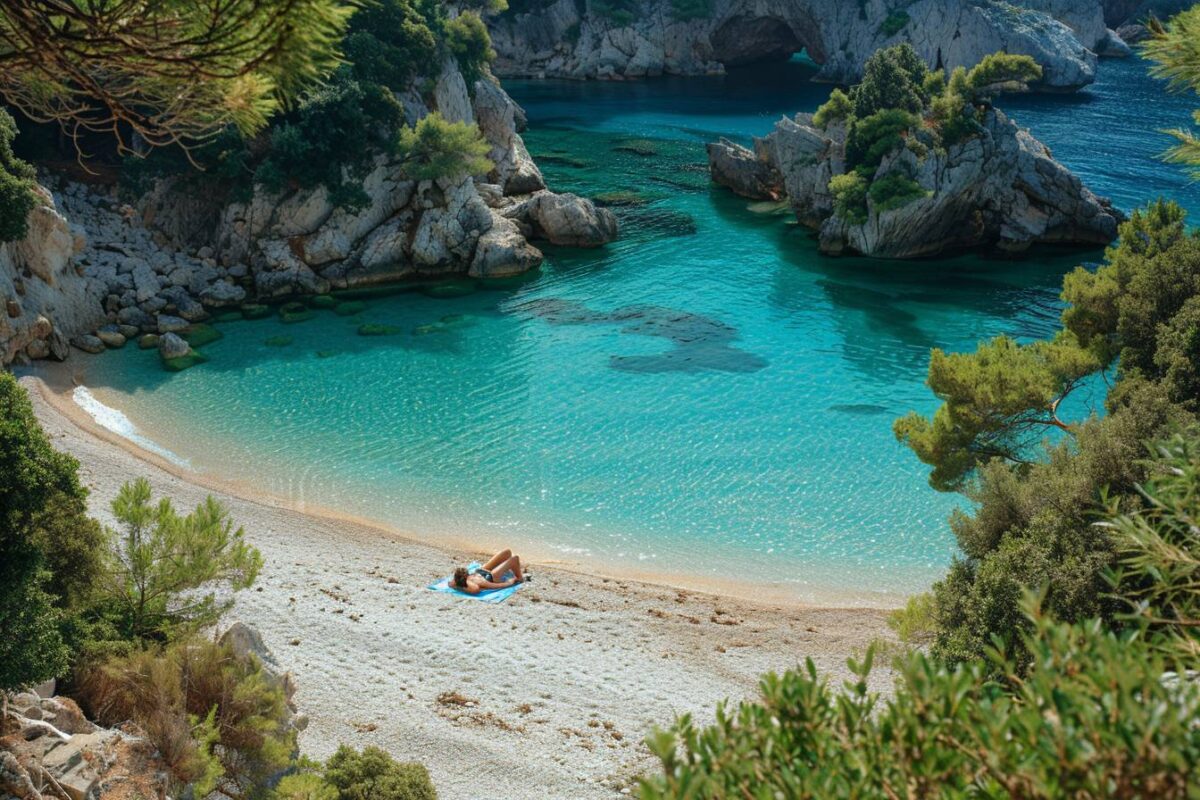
{"points": [[376, 329], [199, 334], [701, 343], [349, 308]]}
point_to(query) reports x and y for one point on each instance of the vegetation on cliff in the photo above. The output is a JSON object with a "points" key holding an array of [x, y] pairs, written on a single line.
{"points": [[901, 103], [17, 196]]}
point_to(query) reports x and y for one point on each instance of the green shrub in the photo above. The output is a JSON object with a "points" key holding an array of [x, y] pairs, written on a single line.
{"points": [[956, 120], [1035, 503], [437, 148], [893, 78], [873, 137], [893, 191], [390, 42], [915, 624], [164, 566], [1092, 718], [838, 108], [468, 40], [895, 22], [41, 499], [1158, 546], [335, 127], [219, 720], [1002, 72], [850, 197], [17, 197], [374, 775]]}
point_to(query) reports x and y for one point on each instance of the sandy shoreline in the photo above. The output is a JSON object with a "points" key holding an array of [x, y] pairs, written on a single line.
{"points": [[567, 677]]}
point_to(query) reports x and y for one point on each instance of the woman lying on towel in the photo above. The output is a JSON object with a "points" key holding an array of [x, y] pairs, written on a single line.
{"points": [[485, 577]]}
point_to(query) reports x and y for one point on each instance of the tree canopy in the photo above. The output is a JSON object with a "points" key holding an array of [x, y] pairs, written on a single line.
{"points": [[155, 73]]}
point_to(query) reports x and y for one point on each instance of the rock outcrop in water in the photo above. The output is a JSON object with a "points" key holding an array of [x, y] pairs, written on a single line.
{"points": [[563, 38], [92, 264], [999, 189]]}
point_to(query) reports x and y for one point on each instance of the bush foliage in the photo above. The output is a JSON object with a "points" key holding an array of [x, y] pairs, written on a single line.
{"points": [[1090, 717], [349, 775], [17, 197], [219, 721], [1038, 479], [436, 148]]}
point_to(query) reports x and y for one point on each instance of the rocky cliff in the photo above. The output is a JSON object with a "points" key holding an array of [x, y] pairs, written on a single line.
{"points": [[298, 241], [999, 189], [47, 299], [96, 272], [567, 38]]}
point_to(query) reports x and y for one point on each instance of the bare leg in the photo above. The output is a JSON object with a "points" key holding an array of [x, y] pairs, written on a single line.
{"points": [[513, 564], [498, 559]]}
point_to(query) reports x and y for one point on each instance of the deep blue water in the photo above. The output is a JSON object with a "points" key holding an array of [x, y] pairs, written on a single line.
{"points": [[707, 396]]}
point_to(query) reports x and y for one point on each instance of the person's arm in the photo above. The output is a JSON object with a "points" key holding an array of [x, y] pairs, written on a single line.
{"points": [[493, 585]]}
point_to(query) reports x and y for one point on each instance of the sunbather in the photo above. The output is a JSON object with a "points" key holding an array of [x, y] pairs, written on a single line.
{"points": [[482, 578]]}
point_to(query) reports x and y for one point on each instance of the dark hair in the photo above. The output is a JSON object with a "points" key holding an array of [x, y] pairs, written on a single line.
{"points": [[460, 577]]}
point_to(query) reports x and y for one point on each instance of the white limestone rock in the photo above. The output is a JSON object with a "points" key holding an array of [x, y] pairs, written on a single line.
{"points": [[561, 40]]}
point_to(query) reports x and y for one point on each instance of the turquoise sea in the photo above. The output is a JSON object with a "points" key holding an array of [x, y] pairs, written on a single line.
{"points": [[707, 397]]}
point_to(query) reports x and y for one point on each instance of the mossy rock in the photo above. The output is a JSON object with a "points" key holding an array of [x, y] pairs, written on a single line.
{"points": [[255, 311], [621, 198], [184, 362], [450, 289], [349, 308], [278, 341], [639, 147], [228, 315], [375, 329], [199, 334], [326, 353], [295, 312], [323, 301], [148, 341]]}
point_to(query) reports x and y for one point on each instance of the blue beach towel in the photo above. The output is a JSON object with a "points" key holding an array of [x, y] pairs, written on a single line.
{"points": [[487, 595]]}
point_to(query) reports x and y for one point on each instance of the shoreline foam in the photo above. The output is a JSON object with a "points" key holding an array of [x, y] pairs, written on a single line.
{"points": [[63, 387]]}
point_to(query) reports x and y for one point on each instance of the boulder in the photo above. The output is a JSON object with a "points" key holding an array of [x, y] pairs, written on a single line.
{"points": [[168, 323], [566, 219], [223, 293], [736, 167], [111, 336], [171, 346], [503, 251], [88, 343]]}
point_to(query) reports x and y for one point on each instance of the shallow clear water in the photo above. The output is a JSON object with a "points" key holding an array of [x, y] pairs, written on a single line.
{"points": [[706, 396]]}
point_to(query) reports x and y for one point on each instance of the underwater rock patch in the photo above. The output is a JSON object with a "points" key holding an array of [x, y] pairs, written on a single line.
{"points": [[348, 308], [701, 343]]}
